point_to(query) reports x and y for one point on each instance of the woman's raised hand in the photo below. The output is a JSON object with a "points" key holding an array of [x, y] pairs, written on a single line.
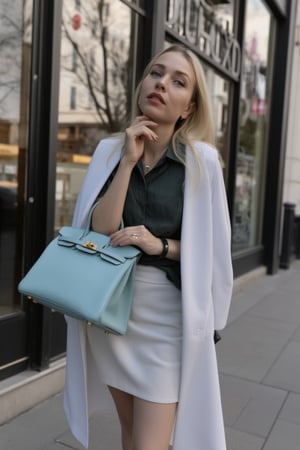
{"points": [[137, 133]]}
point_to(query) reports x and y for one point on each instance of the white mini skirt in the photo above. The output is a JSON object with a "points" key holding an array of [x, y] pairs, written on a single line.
{"points": [[146, 362]]}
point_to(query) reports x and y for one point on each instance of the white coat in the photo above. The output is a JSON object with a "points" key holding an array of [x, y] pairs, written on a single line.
{"points": [[206, 272]]}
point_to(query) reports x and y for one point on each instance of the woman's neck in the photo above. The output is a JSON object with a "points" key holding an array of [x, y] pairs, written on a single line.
{"points": [[153, 149]]}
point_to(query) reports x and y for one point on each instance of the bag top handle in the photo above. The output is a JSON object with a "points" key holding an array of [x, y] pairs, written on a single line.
{"points": [[89, 220]]}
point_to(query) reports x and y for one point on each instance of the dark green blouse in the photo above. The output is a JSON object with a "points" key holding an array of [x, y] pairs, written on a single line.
{"points": [[155, 200]]}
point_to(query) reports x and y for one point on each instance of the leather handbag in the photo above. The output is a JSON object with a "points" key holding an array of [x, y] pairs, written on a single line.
{"points": [[80, 275]]}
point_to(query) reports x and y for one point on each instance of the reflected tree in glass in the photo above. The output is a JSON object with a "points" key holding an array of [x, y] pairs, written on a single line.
{"points": [[101, 58], [15, 48]]}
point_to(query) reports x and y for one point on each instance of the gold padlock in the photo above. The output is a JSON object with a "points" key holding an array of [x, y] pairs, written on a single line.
{"points": [[90, 245]]}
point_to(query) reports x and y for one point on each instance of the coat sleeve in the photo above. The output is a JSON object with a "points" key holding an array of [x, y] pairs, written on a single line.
{"points": [[222, 277]]}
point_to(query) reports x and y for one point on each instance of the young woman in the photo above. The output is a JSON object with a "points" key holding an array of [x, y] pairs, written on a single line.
{"points": [[164, 178]]}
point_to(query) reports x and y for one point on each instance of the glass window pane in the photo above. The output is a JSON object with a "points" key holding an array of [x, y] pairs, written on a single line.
{"points": [[254, 119], [139, 3], [97, 83], [203, 24], [15, 47], [219, 90]]}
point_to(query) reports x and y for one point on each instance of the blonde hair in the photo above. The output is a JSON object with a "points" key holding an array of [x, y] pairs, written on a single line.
{"points": [[198, 126]]}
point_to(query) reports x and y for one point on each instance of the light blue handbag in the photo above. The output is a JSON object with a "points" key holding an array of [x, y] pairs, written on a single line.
{"points": [[79, 274]]}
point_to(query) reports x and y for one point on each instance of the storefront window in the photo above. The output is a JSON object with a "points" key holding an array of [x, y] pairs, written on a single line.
{"points": [[254, 120], [198, 18], [208, 27], [139, 3], [97, 83], [15, 47], [218, 89]]}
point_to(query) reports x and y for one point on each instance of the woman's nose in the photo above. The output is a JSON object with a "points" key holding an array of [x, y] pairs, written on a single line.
{"points": [[161, 83]]}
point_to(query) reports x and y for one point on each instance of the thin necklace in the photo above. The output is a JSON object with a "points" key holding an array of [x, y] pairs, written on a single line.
{"points": [[148, 167]]}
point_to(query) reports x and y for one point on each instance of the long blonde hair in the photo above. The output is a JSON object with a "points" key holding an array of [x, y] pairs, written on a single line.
{"points": [[198, 126]]}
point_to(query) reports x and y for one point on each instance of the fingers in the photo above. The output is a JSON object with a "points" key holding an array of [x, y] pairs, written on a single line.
{"points": [[142, 128], [138, 236], [128, 236], [141, 133]]}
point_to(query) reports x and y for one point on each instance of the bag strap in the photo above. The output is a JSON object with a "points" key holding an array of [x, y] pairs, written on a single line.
{"points": [[89, 220]]}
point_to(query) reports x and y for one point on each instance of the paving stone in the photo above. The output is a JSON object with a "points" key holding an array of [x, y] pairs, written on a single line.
{"points": [[249, 406], [291, 410], [261, 411], [236, 440], [292, 286], [241, 303], [45, 428], [285, 373], [250, 346], [296, 335], [55, 446], [235, 396], [36, 428], [284, 436], [265, 285], [104, 434], [280, 306]]}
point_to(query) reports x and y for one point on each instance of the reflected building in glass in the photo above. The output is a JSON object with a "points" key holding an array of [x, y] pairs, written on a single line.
{"points": [[255, 98]]}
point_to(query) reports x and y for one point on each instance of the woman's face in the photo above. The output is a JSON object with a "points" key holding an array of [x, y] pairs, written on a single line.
{"points": [[166, 92]]}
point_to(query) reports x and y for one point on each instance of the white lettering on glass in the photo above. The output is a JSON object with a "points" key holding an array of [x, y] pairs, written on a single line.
{"points": [[196, 22]]}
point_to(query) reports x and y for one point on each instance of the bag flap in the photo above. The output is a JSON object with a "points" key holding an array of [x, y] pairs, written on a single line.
{"points": [[94, 242], [127, 251]]}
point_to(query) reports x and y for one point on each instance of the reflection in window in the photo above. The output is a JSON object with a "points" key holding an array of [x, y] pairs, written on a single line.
{"points": [[96, 98], [255, 88], [73, 98], [74, 60], [139, 3], [203, 24], [15, 47], [218, 89], [78, 4]]}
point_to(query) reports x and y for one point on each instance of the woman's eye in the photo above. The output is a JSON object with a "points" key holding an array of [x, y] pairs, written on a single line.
{"points": [[179, 83], [155, 73]]}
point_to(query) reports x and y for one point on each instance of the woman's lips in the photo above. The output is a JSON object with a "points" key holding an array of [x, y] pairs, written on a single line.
{"points": [[155, 98]]}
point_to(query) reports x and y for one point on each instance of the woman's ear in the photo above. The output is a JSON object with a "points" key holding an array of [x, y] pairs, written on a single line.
{"points": [[188, 110]]}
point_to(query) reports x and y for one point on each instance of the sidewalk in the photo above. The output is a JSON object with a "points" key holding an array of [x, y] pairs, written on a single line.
{"points": [[259, 361]]}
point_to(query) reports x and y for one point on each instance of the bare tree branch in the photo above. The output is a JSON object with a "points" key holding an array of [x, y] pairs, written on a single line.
{"points": [[98, 106], [107, 84]]}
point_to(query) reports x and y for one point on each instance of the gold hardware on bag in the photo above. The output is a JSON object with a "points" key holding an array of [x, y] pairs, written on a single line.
{"points": [[90, 245], [90, 324]]}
